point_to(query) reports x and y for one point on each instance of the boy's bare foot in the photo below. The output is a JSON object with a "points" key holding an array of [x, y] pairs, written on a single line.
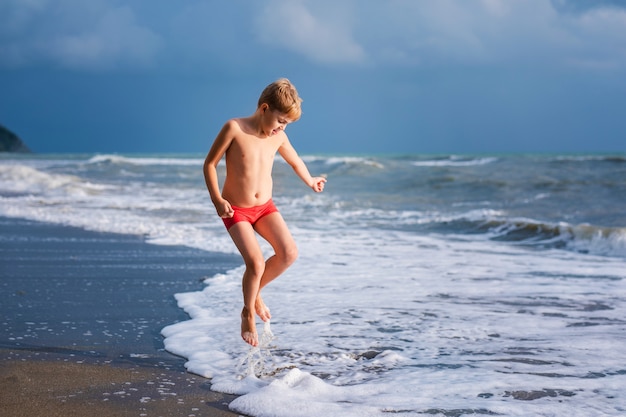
{"points": [[248, 328], [262, 310]]}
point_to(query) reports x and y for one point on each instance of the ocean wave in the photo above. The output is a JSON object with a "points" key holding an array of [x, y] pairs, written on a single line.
{"points": [[344, 160], [454, 161], [26, 179], [117, 159], [582, 238], [497, 226], [592, 158]]}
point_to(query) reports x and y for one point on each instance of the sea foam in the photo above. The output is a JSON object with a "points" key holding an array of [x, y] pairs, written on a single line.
{"points": [[464, 285]]}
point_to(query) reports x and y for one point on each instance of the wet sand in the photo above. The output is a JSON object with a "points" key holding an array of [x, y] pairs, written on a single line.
{"points": [[35, 387], [80, 323]]}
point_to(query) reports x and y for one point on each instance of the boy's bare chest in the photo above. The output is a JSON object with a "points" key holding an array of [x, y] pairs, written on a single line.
{"points": [[254, 149]]}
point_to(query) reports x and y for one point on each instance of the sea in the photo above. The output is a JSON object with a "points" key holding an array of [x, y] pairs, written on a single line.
{"points": [[437, 285]]}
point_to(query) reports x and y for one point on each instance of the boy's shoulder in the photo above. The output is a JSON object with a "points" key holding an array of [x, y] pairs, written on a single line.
{"points": [[234, 123], [238, 125]]}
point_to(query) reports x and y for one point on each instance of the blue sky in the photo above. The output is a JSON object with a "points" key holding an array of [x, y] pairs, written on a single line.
{"points": [[396, 76]]}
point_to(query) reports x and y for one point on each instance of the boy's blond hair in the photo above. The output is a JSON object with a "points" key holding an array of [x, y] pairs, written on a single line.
{"points": [[283, 97]]}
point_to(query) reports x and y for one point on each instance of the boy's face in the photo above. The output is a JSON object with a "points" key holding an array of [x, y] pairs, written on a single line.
{"points": [[275, 121]]}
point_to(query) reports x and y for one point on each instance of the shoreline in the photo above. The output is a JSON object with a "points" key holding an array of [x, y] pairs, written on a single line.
{"points": [[50, 385], [81, 318]]}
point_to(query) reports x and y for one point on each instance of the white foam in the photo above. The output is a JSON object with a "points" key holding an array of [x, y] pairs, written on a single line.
{"points": [[165, 214], [370, 320], [118, 159], [454, 162], [392, 322], [26, 179], [344, 160], [601, 241]]}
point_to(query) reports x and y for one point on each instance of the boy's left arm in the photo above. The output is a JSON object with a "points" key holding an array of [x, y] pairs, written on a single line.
{"points": [[290, 156]]}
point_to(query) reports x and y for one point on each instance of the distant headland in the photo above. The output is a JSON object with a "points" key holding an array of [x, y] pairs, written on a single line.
{"points": [[10, 142]]}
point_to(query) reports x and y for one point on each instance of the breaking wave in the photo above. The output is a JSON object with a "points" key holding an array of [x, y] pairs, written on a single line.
{"points": [[582, 238]]}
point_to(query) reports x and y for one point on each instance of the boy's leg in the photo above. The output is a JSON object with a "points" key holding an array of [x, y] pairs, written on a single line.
{"points": [[244, 238], [274, 229]]}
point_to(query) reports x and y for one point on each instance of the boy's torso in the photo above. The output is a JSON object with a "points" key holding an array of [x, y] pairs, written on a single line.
{"points": [[249, 162]]}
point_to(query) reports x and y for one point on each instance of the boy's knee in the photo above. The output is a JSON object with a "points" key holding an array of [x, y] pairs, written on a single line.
{"points": [[256, 267], [290, 255]]}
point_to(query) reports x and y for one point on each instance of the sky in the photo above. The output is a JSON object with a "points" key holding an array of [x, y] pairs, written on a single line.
{"points": [[377, 77]]}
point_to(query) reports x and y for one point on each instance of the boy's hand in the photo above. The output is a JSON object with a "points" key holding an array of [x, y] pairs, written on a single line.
{"points": [[318, 184], [224, 209]]}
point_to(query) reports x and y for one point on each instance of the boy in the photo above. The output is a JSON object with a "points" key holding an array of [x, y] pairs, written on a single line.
{"points": [[245, 202]]}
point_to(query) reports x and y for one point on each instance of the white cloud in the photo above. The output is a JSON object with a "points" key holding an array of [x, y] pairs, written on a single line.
{"points": [[196, 34], [16, 14], [322, 34], [497, 8], [115, 40], [74, 34], [489, 32], [601, 34], [202, 34]]}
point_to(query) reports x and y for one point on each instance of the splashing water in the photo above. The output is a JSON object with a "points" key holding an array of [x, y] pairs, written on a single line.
{"points": [[259, 360]]}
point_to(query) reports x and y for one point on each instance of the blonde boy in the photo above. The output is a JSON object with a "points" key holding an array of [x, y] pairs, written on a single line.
{"points": [[245, 202]]}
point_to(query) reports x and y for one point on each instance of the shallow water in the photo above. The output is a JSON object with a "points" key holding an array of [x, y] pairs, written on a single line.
{"points": [[448, 285]]}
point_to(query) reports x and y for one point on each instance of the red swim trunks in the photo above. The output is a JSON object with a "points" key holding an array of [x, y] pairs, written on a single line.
{"points": [[250, 214]]}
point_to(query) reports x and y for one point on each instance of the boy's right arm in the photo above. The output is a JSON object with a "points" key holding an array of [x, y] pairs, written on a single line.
{"points": [[217, 151]]}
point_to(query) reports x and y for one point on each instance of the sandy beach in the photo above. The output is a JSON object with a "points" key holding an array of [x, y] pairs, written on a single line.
{"points": [[44, 386], [81, 317]]}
